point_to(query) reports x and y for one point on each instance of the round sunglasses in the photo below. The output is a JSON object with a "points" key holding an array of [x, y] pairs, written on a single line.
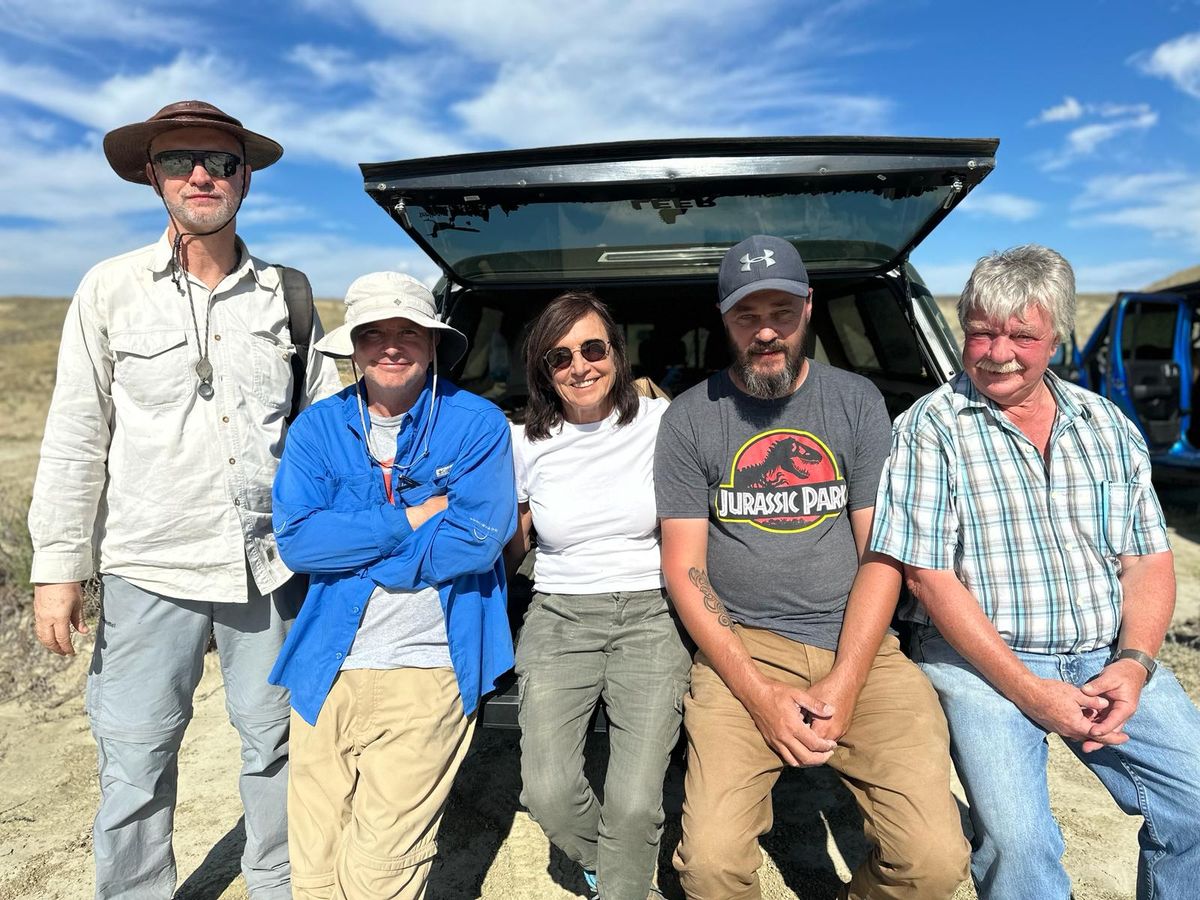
{"points": [[217, 163], [558, 358]]}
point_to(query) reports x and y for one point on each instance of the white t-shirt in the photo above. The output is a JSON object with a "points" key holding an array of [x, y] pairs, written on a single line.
{"points": [[591, 491]]}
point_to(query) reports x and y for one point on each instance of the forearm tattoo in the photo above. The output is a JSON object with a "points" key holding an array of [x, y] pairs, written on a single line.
{"points": [[711, 601]]}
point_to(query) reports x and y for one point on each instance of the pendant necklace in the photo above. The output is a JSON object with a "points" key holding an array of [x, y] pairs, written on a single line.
{"points": [[204, 369]]}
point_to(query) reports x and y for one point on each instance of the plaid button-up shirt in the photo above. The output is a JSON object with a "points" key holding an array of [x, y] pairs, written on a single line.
{"points": [[1036, 541]]}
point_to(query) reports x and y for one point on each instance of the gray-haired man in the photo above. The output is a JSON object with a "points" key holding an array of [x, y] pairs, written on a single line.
{"points": [[175, 378], [1023, 510]]}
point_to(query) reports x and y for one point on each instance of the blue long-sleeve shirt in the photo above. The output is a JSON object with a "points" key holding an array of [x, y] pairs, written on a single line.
{"points": [[334, 522]]}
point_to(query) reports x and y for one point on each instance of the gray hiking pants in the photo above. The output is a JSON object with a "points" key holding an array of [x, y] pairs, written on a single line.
{"points": [[147, 662], [623, 648]]}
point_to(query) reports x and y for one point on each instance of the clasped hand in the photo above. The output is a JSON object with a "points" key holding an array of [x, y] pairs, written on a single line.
{"points": [[786, 717]]}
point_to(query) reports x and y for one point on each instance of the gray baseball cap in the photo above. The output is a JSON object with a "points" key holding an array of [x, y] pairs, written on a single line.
{"points": [[760, 263]]}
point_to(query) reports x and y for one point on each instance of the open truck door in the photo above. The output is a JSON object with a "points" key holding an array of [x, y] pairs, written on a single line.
{"points": [[1140, 358]]}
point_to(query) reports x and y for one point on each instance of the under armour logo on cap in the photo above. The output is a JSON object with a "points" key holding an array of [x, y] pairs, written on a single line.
{"points": [[768, 257], [780, 269]]}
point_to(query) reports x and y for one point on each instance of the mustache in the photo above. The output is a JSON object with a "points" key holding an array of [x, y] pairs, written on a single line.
{"points": [[769, 347], [1000, 368]]}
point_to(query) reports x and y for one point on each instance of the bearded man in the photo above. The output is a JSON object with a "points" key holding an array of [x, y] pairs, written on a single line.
{"points": [[765, 478]]}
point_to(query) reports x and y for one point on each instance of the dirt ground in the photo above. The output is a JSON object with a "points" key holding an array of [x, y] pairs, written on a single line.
{"points": [[489, 846]]}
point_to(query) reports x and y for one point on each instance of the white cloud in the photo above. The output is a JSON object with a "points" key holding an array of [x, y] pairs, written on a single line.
{"points": [[328, 65], [1112, 120], [1177, 60], [262, 209], [1106, 190], [622, 70], [1103, 278], [375, 128], [51, 260], [61, 23], [1084, 140], [1010, 207], [946, 278], [1066, 111], [44, 181], [332, 262], [1166, 205]]}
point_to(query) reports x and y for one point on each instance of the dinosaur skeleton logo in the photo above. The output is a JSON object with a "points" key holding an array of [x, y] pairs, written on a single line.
{"points": [[782, 481], [768, 257]]}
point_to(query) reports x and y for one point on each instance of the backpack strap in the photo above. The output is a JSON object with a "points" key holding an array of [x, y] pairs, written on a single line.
{"points": [[297, 295]]}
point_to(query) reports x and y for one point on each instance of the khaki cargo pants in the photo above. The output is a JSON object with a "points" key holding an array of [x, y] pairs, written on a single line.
{"points": [[370, 781], [894, 758]]}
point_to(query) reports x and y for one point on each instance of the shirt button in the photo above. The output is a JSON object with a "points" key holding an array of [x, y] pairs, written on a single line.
{"points": [[354, 609], [337, 655], [237, 501], [232, 460], [225, 419], [216, 337]]}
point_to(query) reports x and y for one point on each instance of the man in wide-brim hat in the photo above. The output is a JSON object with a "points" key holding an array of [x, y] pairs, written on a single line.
{"points": [[177, 375], [399, 492]]}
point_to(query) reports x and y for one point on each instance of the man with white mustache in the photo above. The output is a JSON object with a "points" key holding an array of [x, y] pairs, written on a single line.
{"points": [[1033, 541]]}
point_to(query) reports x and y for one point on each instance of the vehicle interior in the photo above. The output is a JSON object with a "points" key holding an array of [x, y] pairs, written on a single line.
{"points": [[1151, 371], [675, 338]]}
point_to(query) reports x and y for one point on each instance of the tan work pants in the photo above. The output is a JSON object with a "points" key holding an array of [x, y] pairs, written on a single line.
{"points": [[894, 759], [370, 781]]}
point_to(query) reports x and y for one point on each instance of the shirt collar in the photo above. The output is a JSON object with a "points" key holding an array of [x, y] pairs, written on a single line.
{"points": [[415, 416], [266, 276], [1069, 408]]}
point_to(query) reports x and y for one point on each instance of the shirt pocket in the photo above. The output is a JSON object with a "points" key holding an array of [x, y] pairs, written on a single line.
{"points": [[358, 492], [153, 367], [271, 357], [1117, 500]]}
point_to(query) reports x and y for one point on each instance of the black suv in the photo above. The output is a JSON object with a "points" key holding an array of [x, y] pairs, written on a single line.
{"points": [[645, 225]]}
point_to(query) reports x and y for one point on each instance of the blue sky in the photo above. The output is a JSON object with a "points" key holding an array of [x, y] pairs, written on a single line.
{"points": [[1096, 104]]}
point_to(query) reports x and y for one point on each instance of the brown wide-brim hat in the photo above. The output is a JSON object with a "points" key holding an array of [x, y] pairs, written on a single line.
{"points": [[128, 147]]}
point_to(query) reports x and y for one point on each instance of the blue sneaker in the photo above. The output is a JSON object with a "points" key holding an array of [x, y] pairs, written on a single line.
{"points": [[590, 877]]}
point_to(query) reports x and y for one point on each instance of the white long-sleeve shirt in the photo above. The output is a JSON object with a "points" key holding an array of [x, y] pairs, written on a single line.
{"points": [[171, 491]]}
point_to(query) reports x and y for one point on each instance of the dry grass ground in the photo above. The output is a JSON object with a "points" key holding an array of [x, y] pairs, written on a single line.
{"points": [[489, 846]]}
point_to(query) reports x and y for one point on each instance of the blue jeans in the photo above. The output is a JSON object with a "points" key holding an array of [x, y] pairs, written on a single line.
{"points": [[1001, 758], [626, 648]]}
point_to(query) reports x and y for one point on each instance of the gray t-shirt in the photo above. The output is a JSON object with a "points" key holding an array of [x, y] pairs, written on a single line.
{"points": [[398, 628], [776, 479]]}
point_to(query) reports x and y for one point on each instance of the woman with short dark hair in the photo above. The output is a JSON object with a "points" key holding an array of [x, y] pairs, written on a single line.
{"points": [[599, 625]]}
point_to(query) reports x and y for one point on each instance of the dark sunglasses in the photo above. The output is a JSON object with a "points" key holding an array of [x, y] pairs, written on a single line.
{"points": [[217, 163], [593, 351]]}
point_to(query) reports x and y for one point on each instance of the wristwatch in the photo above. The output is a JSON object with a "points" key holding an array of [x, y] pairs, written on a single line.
{"points": [[1145, 659]]}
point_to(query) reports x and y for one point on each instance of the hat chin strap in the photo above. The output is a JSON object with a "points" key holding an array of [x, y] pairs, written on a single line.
{"points": [[180, 234], [362, 416]]}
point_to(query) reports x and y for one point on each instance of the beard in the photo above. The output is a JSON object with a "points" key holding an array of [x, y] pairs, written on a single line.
{"points": [[201, 221], [764, 385]]}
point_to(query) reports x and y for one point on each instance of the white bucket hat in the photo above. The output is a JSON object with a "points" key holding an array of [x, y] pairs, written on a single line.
{"points": [[392, 295]]}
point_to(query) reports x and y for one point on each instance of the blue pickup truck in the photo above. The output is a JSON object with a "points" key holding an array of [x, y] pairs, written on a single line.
{"points": [[1145, 357]]}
